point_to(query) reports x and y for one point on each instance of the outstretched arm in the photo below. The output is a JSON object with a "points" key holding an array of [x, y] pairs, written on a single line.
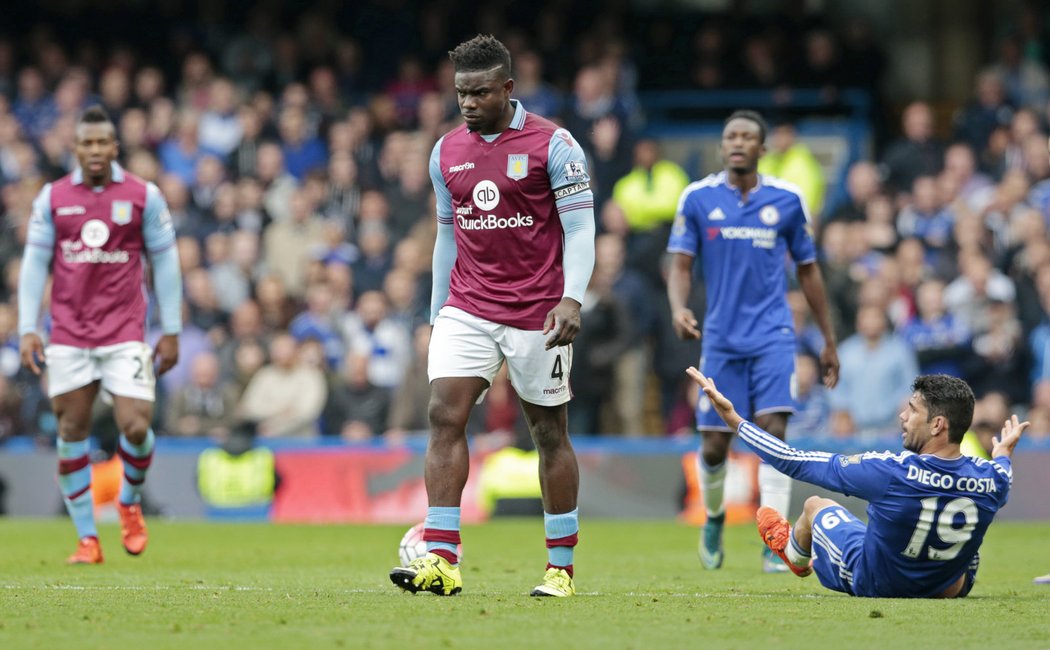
{"points": [[864, 475]]}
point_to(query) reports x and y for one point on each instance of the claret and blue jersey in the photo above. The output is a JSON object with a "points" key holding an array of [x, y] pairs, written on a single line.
{"points": [[742, 245], [927, 515]]}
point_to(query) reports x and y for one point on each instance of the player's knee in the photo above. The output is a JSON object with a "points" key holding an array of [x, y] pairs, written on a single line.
{"points": [[815, 504], [549, 436], [73, 429], [445, 419], [134, 428]]}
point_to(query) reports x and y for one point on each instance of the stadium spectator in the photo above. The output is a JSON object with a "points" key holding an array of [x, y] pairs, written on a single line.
{"points": [[286, 395], [917, 152], [925, 217], [1026, 79], [384, 341], [605, 334], [205, 406], [303, 152], [411, 399], [941, 344], [975, 122], [534, 92], [812, 408], [626, 406], [862, 185], [289, 245], [355, 409], [875, 361]]}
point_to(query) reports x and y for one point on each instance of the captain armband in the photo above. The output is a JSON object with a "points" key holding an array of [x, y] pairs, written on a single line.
{"points": [[569, 190]]}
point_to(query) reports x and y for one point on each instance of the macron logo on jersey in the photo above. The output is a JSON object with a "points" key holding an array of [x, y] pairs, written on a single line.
{"points": [[460, 168], [70, 210]]}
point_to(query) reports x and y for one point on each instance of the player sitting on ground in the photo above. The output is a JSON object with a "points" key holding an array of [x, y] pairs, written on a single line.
{"points": [[928, 507]]}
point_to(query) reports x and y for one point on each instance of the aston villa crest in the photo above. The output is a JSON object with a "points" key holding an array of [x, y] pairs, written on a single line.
{"points": [[121, 214], [518, 166]]}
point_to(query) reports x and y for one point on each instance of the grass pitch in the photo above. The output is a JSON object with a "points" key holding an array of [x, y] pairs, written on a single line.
{"points": [[263, 586]]}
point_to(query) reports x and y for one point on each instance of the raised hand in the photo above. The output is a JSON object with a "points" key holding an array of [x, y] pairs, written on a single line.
{"points": [[1004, 444]]}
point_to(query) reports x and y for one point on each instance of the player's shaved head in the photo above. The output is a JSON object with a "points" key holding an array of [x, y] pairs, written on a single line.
{"points": [[950, 397], [482, 54]]}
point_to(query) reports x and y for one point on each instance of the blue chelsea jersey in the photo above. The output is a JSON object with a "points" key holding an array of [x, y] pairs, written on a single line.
{"points": [[927, 515], [742, 245]]}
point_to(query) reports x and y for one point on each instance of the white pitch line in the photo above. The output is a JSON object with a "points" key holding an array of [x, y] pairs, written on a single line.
{"points": [[243, 588]]}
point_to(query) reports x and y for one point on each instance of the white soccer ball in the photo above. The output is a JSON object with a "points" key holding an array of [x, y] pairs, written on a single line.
{"points": [[412, 546]]}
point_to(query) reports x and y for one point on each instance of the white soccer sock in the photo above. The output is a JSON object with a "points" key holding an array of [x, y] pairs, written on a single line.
{"points": [[774, 489], [713, 487], [794, 554]]}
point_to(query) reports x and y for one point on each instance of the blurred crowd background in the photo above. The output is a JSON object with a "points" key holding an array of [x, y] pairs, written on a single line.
{"points": [[291, 142]]}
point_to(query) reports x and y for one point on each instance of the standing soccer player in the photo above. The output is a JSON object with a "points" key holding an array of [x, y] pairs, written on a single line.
{"points": [[928, 507], [742, 224], [514, 254], [92, 228]]}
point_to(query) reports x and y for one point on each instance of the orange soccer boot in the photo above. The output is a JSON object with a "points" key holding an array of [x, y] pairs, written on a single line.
{"points": [[88, 552], [776, 533], [132, 528]]}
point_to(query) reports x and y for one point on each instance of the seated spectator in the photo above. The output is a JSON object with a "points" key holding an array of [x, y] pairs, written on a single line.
{"points": [[409, 408], [877, 369], [812, 407], [917, 152], [204, 406], [356, 409], [941, 343], [925, 218], [320, 323], [369, 331], [286, 395]]}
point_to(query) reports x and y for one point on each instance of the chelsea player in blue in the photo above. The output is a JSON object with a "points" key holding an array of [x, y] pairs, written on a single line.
{"points": [[928, 507], [742, 225]]}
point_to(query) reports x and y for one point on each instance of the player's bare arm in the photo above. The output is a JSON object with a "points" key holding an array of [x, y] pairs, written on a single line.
{"points": [[564, 321], [679, 283], [166, 354], [32, 350], [1004, 444], [812, 284], [722, 405]]}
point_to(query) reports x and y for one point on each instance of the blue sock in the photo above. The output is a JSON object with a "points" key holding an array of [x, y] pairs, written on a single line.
{"points": [[136, 460], [441, 532], [562, 533], [74, 479]]}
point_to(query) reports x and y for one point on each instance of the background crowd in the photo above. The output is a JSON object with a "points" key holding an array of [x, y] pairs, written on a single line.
{"points": [[292, 148]]}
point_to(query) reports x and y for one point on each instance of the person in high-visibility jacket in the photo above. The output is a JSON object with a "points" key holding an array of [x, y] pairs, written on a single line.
{"points": [[237, 475]]}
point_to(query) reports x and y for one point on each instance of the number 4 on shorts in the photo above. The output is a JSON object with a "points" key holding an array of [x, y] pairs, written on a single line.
{"points": [[556, 371]]}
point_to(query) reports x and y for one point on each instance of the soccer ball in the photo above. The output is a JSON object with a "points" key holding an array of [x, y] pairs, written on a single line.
{"points": [[412, 546]]}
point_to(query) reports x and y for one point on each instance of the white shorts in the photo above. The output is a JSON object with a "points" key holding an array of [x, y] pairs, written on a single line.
{"points": [[126, 369], [463, 345]]}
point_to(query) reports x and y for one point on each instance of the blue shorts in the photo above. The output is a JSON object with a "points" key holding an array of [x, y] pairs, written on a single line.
{"points": [[756, 386], [838, 539]]}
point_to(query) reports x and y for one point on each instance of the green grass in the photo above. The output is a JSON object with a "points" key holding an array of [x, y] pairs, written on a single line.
{"points": [[232, 586]]}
